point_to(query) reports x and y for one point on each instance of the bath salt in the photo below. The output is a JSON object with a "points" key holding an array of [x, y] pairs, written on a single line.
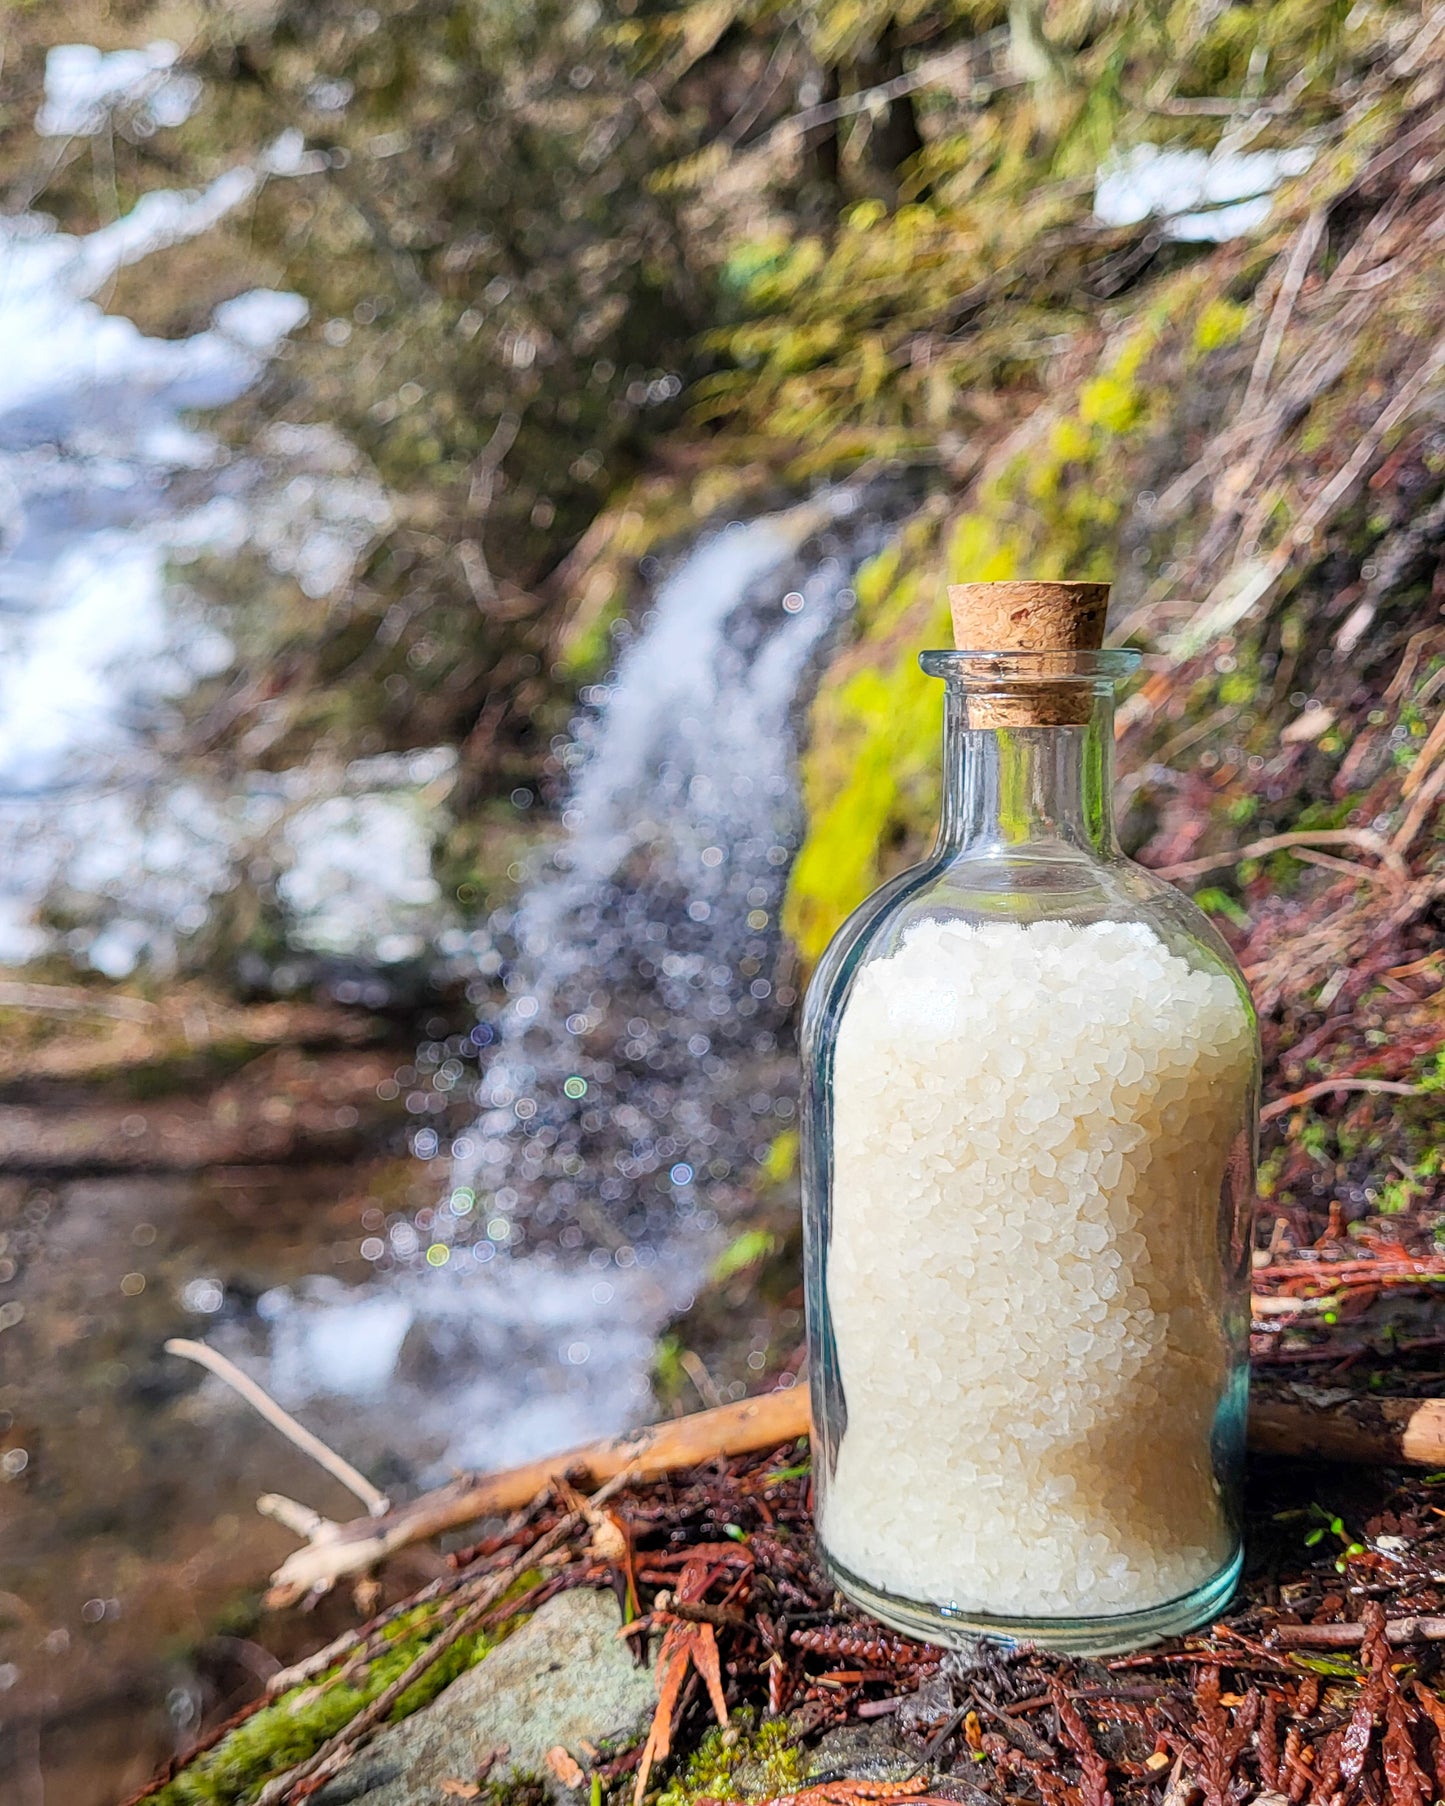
{"points": [[1032, 1124]]}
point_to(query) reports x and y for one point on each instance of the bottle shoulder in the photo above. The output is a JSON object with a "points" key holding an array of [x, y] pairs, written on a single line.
{"points": [[1016, 888], [853, 941]]}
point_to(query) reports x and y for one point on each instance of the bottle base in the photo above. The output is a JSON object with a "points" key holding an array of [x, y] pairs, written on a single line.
{"points": [[1113, 1635]]}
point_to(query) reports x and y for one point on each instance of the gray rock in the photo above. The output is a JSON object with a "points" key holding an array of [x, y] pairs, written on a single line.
{"points": [[871, 1751], [564, 1676]]}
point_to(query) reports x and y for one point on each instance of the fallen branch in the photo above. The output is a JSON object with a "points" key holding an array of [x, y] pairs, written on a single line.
{"points": [[1299, 1420], [753, 1423], [1291, 1421]]}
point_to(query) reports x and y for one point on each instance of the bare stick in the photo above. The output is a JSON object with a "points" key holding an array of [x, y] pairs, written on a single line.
{"points": [[1300, 1420], [1426, 796], [1389, 1087], [1363, 838], [1306, 243], [1347, 1636], [752, 1423], [301, 1520], [70, 1000], [262, 1402]]}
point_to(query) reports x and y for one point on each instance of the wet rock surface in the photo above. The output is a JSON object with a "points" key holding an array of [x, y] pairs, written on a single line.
{"points": [[565, 1677]]}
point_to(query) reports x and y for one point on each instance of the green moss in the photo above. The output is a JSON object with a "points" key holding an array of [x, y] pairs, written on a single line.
{"points": [[670, 1378], [589, 651], [746, 1761], [1220, 323], [870, 776], [295, 1725], [1216, 902], [1051, 509]]}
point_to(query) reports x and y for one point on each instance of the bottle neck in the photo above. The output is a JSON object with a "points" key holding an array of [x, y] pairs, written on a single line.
{"points": [[1031, 791]]}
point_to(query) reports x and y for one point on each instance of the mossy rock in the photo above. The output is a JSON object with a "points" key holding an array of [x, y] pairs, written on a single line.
{"points": [[565, 1678]]}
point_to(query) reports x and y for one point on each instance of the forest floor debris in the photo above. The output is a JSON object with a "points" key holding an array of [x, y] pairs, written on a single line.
{"points": [[1322, 1683]]}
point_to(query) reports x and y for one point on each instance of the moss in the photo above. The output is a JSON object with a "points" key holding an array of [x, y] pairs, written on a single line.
{"points": [[514, 1790], [1051, 508], [1220, 323], [670, 1379], [873, 759], [295, 1725], [749, 1760]]}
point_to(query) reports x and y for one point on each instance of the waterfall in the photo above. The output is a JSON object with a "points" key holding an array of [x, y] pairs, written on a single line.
{"points": [[639, 1065], [643, 1061]]}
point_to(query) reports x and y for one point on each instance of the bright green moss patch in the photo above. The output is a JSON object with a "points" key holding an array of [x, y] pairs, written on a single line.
{"points": [[746, 1761], [295, 1725]]}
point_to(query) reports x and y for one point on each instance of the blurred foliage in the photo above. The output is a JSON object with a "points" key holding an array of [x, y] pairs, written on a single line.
{"points": [[582, 278], [935, 281], [503, 316]]}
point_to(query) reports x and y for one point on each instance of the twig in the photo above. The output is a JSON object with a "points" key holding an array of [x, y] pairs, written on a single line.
{"points": [[752, 1423], [338, 1748], [71, 1000], [1393, 414], [1364, 838], [1351, 868], [1283, 1105], [297, 1434], [1291, 1306], [1425, 758], [830, 111], [1347, 1636], [1301, 255], [1425, 799], [300, 1520]]}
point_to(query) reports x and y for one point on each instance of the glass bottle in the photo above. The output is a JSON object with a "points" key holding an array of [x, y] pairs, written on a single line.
{"points": [[1030, 1104]]}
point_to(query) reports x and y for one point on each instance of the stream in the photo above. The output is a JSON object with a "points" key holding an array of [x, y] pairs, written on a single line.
{"points": [[466, 1296], [442, 1252]]}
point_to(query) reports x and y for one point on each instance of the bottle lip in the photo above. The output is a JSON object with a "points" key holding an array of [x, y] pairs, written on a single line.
{"points": [[1005, 670]]}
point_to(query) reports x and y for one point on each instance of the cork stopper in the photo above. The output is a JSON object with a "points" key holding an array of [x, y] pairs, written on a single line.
{"points": [[1030, 617]]}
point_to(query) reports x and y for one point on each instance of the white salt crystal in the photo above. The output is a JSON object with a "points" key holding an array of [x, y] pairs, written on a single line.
{"points": [[1031, 1131]]}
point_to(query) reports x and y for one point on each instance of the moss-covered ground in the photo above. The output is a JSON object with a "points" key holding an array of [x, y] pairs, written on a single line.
{"points": [[297, 1722]]}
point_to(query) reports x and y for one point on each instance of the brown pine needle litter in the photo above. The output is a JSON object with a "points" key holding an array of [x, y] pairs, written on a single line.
{"points": [[1323, 1684]]}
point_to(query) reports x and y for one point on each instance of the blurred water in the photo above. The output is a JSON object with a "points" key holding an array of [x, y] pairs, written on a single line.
{"points": [[639, 1065], [503, 1296], [643, 1063], [109, 489]]}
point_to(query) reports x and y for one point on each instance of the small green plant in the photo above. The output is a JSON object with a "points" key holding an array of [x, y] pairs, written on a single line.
{"points": [[1216, 902], [1331, 1525]]}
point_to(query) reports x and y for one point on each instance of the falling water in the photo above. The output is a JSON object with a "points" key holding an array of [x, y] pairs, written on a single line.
{"points": [[640, 1061], [642, 1064]]}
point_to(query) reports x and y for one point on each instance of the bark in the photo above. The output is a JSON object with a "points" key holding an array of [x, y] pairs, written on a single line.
{"points": [[1327, 1425]]}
